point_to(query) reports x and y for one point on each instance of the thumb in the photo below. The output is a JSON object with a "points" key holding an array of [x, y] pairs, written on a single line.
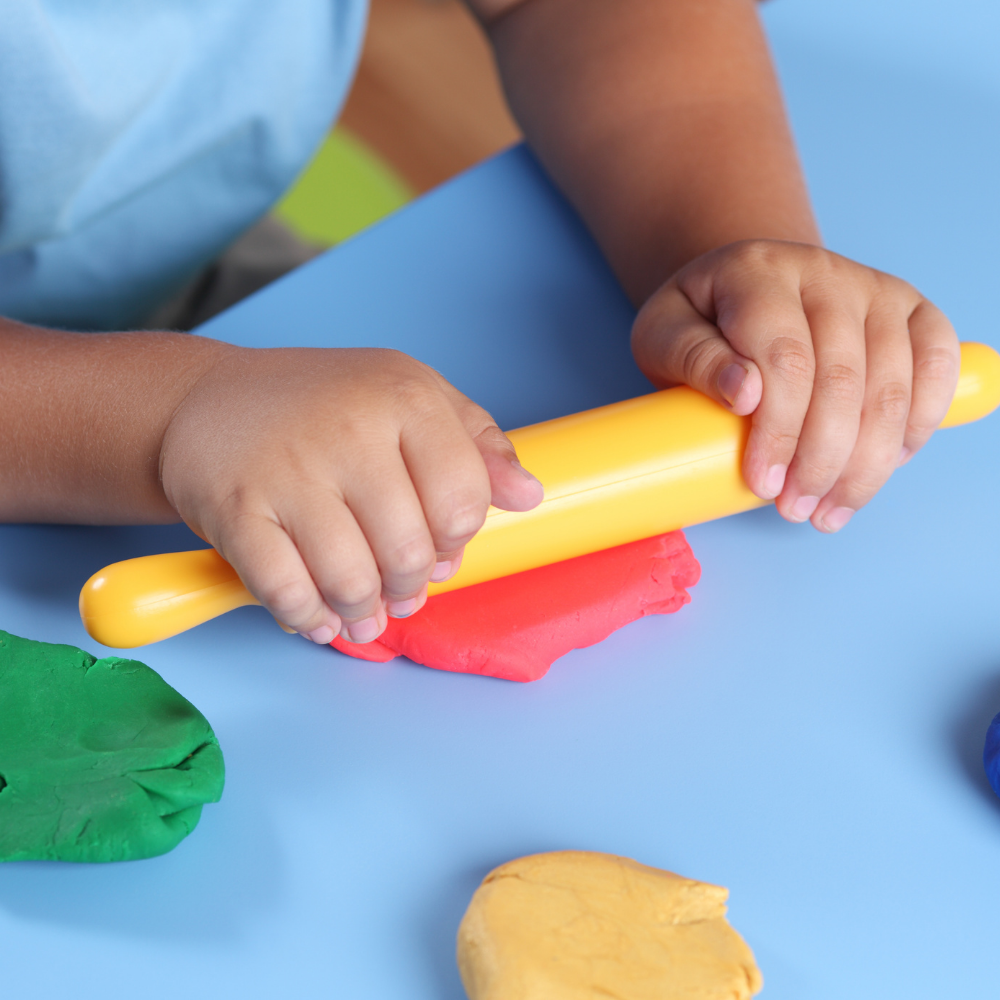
{"points": [[513, 487], [674, 344]]}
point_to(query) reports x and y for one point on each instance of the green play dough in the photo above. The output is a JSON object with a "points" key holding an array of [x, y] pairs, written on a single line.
{"points": [[100, 760]]}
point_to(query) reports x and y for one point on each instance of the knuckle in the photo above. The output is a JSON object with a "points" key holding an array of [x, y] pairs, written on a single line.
{"points": [[758, 255], [862, 486], [891, 403], [789, 358], [779, 442], [236, 507], [415, 392], [404, 366], [919, 430], [464, 517], [356, 591], [412, 558], [937, 364], [291, 600], [393, 355], [894, 293], [774, 258], [826, 273], [816, 474], [840, 382]]}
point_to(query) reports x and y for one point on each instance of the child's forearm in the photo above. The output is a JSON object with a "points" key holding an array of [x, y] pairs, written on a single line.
{"points": [[661, 119], [82, 417], [336, 481], [663, 122]]}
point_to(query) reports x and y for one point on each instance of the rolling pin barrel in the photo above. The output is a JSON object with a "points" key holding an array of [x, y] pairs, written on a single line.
{"points": [[612, 475]]}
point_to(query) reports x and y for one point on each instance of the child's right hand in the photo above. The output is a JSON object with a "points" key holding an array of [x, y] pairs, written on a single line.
{"points": [[846, 370], [337, 482]]}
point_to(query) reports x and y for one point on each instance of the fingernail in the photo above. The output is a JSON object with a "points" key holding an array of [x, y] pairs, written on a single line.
{"points": [[363, 631], [731, 382], [803, 508], [401, 609], [524, 472], [322, 636], [834, 520], [441, 572], [904, 456], [774, 481]]}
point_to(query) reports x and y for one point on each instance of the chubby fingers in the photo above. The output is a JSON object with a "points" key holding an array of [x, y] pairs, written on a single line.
{"points": [[716, 322], [455, 515], [420, 499], [273, 570], [451, 488], [348, 551], [912, 371], [512, 487], [846, 371], [351, 550], [841, 384], [936, 363], [368, 478], [675, 344], [347, 554], [863, 395]]}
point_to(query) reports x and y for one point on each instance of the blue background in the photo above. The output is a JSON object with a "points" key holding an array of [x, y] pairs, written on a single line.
{"points": [[808, 732]]}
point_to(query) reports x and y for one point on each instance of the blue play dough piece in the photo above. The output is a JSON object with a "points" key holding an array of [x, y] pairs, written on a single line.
{"points": [[991, 754]]}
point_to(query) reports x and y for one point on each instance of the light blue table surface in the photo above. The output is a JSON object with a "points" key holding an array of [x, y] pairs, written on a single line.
{"points": [[807, 732]]}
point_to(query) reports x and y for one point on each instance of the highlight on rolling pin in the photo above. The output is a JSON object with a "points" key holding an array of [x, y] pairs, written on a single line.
{"points": [[139, 601], [613, 475]]}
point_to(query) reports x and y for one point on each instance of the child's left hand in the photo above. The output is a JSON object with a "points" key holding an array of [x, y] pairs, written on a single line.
{"points": [[846, 370]]}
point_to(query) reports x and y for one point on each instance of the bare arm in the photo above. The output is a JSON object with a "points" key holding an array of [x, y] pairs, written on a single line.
{"points": [[661, 119], [336, 481], [663, 122], [83, 419], [339, 482]]}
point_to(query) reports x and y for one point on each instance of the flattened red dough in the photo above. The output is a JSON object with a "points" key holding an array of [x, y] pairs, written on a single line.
{"points": [[515, 627]]}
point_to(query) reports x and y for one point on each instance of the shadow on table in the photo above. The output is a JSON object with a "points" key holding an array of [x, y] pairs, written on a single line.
{"points": [[205, 891], [441, 918], [439, 922], [214, 881], [968, 736], [51, 562]]}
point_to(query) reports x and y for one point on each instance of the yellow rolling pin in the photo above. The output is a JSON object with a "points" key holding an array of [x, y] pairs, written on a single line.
{"points": [[612, 475]]}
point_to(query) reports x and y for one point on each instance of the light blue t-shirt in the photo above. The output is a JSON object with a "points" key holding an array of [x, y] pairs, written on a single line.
{"points": [[139, 137]]}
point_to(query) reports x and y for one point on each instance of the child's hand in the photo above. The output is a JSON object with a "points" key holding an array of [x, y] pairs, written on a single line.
{"points": [[847, 371], [337, 482]]}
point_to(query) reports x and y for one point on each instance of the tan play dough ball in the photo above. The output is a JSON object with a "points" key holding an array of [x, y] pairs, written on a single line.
{"points": [[577, 925]]}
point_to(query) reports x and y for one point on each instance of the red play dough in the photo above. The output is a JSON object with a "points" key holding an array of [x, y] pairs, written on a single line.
{"points": [[516, 626]]}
